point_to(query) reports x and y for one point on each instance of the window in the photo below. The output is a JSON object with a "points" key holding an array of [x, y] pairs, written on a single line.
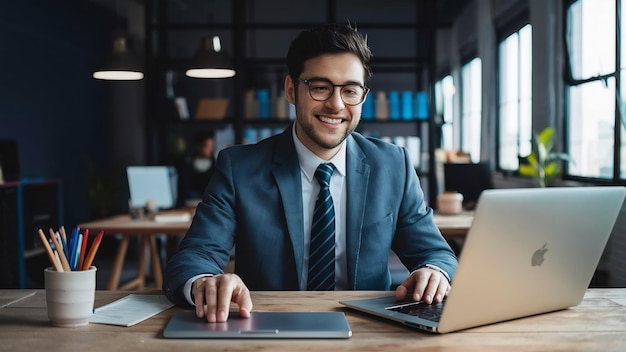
{"points": [[471, 99], [444, 98], [515, 98], [591, 38]]}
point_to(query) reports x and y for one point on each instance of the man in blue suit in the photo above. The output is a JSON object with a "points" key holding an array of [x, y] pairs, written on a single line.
{"points": [[261, 198]]}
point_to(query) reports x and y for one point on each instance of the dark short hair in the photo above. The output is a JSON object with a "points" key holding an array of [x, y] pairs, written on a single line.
{"points": [[328, 39]]}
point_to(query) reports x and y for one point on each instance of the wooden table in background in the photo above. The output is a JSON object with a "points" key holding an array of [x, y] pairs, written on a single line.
{"points": [[148, 230], [453, 227], [597, 324]]}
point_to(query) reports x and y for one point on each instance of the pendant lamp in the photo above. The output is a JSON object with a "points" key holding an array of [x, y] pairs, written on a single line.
{"points": [[121, 65], [210, 61]]}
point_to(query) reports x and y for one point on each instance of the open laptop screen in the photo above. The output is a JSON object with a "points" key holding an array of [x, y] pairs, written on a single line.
{"points": [[155, 183]]}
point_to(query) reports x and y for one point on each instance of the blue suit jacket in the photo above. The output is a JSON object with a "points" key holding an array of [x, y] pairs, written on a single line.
{"points": [[254, 201]]}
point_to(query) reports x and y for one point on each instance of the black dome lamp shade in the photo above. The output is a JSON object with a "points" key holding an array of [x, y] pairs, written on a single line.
{"points": [[210, 61], [121, 65]]}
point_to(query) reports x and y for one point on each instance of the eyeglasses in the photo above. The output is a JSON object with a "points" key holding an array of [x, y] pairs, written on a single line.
{"points": [[322, 90]]}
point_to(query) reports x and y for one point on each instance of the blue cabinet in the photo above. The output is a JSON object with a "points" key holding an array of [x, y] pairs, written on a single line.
{"points": [[26, 206]]}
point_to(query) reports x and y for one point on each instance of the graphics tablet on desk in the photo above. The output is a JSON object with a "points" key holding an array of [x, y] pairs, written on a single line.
{"points": [[528, 251], [261, 325]]}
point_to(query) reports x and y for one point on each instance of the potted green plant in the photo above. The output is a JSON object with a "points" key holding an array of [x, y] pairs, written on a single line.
{"points": [[543, 163], [103, 186]]}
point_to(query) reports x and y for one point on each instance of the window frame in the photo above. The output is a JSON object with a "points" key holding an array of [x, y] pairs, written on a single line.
{"points": [[462, 115], [511, 28], [441, 112], [570, 81]]}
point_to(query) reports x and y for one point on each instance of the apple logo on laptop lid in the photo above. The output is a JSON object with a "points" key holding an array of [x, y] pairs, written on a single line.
{"points": [[538, 256]]}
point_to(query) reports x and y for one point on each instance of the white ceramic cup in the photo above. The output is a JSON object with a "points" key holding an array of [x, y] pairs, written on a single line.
{"points": [[70, 296], [450, 203]]}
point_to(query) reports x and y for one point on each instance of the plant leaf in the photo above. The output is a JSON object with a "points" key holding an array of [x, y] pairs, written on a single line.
{"points": [[552, 169], [542, 153], [528, 170], [559, 156], [546, 138]]}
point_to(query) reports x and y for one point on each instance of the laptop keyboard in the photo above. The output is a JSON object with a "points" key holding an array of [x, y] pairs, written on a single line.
{"points": [[419, 309]]}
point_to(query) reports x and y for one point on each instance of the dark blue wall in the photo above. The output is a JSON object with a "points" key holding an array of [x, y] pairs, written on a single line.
{"points": [[49, 101]]}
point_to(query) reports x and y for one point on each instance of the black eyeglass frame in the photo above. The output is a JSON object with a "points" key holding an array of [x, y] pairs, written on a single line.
{"points": [[310, 82]]}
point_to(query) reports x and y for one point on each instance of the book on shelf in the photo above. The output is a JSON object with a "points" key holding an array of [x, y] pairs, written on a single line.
{"points": [[182, 108]]}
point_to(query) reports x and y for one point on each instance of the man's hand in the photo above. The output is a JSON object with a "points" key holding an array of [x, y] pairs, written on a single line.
{"points": [[424, 284], [216, 293]]}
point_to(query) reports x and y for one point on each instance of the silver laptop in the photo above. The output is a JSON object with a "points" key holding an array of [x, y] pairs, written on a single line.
{"points": [[260, 325], [528, 251]]}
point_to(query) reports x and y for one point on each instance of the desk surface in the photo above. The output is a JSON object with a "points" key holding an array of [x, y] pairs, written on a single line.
{"points": [[449, 225], [123, 224], [454, 225], [596, 324]]}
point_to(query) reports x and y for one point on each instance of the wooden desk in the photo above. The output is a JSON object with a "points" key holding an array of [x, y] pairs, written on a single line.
{"points": [[454, 226], [451, 226], [597, 324], [148, 230]]}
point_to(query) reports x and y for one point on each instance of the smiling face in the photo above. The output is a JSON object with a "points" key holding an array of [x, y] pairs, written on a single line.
{"points": [[323, 125]]}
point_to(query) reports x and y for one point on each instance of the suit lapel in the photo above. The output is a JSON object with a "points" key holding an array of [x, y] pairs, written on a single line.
{"points": [[286, 171], [357, 178]]}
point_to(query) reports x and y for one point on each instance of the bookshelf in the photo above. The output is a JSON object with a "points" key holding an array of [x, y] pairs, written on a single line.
{"points": [[256, 35]]}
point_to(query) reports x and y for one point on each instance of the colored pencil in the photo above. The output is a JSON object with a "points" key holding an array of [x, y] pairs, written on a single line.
{"points": [[56, 256], [92, 251], [83, 249], [79, 245], [62, 231], [57, 265], [74, 249], [66, 265], [64, 241], [71, 249]]}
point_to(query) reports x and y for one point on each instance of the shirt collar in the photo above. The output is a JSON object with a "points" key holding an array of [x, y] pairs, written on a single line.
{"points": [[309, 161]]}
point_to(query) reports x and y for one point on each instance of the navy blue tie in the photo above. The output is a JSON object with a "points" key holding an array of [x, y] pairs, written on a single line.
{"points": [[322, 249]]}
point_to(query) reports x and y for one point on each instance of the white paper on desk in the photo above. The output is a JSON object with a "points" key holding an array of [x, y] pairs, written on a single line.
{"points": [[172, 217], [131, 310]]}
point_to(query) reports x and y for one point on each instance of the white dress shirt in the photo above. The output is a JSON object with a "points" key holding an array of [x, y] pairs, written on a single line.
{"points": [[338, 191]]}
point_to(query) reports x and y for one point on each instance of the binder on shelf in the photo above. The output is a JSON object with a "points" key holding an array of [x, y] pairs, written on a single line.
{"points": [[249, 136], [251, 106], [282, 106], [421, 105], [382, 106], [368, 111], [394, 105], [414, 148], [263, 99], [182, 108], [211, 108], [407, 105], [264, 133]]}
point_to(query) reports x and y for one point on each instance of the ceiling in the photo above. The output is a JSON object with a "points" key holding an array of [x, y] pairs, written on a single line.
{"points": [[447, 10]]}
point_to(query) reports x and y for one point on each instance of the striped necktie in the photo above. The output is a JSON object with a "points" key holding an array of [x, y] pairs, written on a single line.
{"points": [[322, 249]]}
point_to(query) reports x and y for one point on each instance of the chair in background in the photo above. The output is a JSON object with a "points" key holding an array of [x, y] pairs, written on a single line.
{"points": [[469, 179], [444, 156]]}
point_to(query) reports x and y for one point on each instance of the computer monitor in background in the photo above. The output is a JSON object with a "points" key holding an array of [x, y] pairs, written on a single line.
{"points": [[469, 179], [152, 183]]}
